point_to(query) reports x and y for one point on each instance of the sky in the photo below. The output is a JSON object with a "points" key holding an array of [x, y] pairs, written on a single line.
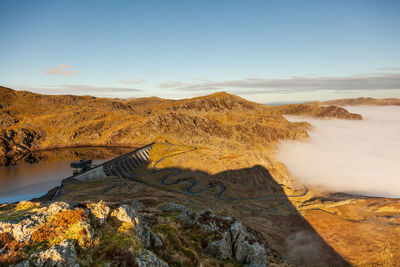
{"points": [[265, 51]]}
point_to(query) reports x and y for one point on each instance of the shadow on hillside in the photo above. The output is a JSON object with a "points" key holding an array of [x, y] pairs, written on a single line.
{"points": [[250, 194], [255, 198]]}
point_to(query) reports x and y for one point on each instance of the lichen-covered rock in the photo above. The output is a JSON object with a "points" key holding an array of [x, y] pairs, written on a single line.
{"points": [[240, 245], [22, 231], [188, 216], [149, 238], [170, 206], [221, 249], [22, 228], [62, 234], [44, 213], [57, 207], [58, 255], [5, 227], [256, 256], [100, 211], [148, 259], [136, 205], [205, 220], [126, 213]]}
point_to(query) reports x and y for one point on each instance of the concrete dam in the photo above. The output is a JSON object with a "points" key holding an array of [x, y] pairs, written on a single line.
{"points": [[122, 167]]}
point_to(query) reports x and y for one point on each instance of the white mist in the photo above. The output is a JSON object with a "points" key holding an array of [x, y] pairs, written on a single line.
{"points": [[349, 156]]}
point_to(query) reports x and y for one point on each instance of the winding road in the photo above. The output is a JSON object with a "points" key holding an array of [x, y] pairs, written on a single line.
{"points": [[223, 188]]}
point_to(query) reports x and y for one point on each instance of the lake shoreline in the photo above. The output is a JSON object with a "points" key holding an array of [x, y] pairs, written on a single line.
{"points": [[25, 180], [14, 160]]}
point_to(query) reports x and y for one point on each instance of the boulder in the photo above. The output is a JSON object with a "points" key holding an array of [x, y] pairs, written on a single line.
{"points": [[42, 214], [172, 207], [148, 237], [58, 255], [22, 231], [126, 213], [136, 205], [100, 211], [148, 259], [205, 220], [238, 244]]}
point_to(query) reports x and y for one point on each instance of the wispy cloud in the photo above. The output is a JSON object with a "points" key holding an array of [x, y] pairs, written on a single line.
{"points": [[389, 69], [62, 70], [372, 81], [94, 89], [130, 82], [173, 84]]}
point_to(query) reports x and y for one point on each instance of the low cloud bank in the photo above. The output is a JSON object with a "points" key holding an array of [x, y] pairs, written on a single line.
{"points": [[390, 79], [349, 156]]}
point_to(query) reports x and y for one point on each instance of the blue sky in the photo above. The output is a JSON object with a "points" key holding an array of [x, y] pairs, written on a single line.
{"points": [[263, 50]]}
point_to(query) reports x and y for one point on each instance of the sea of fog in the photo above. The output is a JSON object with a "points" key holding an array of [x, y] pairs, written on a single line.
{"points": [[349, 156]]}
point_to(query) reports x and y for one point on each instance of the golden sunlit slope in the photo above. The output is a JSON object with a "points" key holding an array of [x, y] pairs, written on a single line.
{"points": [[315, 109], [33, 121], [364, 101]]}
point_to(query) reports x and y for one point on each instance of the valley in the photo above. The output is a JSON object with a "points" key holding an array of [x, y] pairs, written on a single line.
{"points": [[216, 152]]}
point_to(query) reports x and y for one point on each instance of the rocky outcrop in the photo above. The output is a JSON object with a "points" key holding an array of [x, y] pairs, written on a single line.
{"points": [[21, 229], [316, 110], [100, 211], [62, 254], [173, 122], [236, 243], [62, 234], [174, 207], [17, 141], [75, 234], [6, 120], [335, 112], [148, 259], [240, 245], [217, 102], [127, 214]]}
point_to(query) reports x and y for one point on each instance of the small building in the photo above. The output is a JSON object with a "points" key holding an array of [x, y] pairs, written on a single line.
{"points": [[81, 166]]}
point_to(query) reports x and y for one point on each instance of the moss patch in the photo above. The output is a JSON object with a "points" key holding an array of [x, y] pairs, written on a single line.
{"points": [[17, 212], [23, 205], [114, 242], [184, 244]]}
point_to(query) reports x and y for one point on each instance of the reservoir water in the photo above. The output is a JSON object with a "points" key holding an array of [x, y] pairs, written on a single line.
{"points": [[25, 181]]}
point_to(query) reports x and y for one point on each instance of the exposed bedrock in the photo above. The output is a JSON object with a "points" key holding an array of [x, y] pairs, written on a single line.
{"points": [[75, 234]]}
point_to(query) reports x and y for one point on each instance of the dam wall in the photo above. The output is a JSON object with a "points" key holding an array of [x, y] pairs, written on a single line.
{"points": [[122, 166], [96, 172]]}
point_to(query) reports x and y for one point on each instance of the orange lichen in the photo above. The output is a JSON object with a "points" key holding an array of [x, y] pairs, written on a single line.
{"points": [[58, 225], [13, 253], [11, 257]]}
